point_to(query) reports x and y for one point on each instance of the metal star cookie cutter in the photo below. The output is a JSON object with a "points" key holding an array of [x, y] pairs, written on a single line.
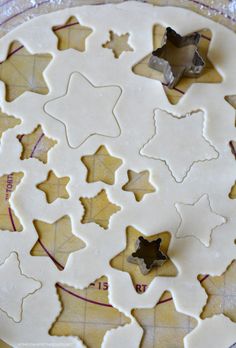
{"points": [[147, 254], [177, 57]]}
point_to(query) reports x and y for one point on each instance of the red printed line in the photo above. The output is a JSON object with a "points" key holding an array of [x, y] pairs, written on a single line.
{"points": [[36, 144], [204, 278], [65, 26], [11, 218], [83, 298], [50, 255]]}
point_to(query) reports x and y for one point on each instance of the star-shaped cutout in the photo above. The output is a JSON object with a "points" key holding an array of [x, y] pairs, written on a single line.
{"points": [[15, 287], [142, 281], [36, 145], [54, 187], [177, 57], [7, 122], [118, 44], [147, 254], [179, 142], [56, 241], [163, 326], [209, 74], [23, 71], [72, 34], [221, 293], [101, 166], [87, 113], [139, 184], [198, 220], [87, 313], [98, 209]]}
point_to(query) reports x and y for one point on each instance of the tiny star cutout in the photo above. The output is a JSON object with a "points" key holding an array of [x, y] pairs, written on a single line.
{"points": [[71, 35], [179, 142], [139, 184], [54, 187], [118, 44], [101, 166], [15, 287], [147, 254], [36, 145], [98, 209], [198, 220], [87, 113]]}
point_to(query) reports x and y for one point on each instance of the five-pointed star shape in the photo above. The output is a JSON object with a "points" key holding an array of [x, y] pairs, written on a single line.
{"points": [[209, 75], [36, 145], [54, 187], [71, 35], [98, 209], [147, 254], [23, 71], [198, 220], [118, 44], [15, 287], [86, 110], [139, 184], [179, 142], [101, 166], [56, 241]]}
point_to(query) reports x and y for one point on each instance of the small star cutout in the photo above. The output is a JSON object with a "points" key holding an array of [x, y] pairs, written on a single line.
{"points": [[208, 75], [100, 315], [56, 241], [22, 71], [54, 187], [15, 287], [72, 35], [118, 44], [198, 220], [139, 184], [36, 145], [7, 122], [147, 254], [179, 142], [87, 113], [98, 209], [232, 194], [101, 166]]}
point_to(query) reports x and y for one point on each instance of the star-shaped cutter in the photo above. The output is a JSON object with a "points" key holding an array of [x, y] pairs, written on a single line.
{"points": [[147, 254], [177, 57]]}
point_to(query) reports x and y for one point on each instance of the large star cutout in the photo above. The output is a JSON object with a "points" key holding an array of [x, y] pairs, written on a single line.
{"points": [[101, 166], [15, 287], [56, 241], [179, 142], [209, 74], [54, 187], [86, 110], [22, 71], [98, 209], [147, 254], [139, 184], [198, 220]]}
